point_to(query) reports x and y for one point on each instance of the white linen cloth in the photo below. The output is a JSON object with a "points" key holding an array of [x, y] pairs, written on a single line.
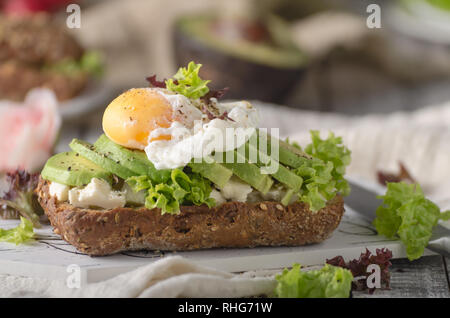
{"points": [[420, 139], [173, 276]]}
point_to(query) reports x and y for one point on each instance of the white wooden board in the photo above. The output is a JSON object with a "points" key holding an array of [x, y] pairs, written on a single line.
{"points": [[49, 256]]}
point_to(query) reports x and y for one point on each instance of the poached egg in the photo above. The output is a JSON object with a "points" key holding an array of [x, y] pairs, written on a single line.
{"points": [[173, 129]]}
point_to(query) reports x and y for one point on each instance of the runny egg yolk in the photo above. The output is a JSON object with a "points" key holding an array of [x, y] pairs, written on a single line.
{"points": [[131, 117]]}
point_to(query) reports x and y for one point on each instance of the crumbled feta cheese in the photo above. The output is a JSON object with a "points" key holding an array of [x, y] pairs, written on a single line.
{"points": [[98, 193], [274, 194], [132, 197], [236, 190], [217, 196], [60, 191]]}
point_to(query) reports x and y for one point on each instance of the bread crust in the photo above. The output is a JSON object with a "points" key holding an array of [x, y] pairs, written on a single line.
{"points": [[232, 224]]}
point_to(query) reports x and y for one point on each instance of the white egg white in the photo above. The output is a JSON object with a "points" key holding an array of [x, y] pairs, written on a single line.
{"points": [[195, 136]]}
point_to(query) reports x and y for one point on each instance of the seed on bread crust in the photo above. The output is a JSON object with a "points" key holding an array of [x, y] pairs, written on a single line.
{"points": [[232, 224]]}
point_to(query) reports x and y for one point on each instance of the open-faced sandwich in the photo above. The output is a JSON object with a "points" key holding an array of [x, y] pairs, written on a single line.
{"points": [[178, 170]]}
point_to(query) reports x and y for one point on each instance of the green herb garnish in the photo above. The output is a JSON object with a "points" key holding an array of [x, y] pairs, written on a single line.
{"points": [[188, 83]]}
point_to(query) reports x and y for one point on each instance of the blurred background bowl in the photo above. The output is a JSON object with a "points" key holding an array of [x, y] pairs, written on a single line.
{"points": [[246, 56]]}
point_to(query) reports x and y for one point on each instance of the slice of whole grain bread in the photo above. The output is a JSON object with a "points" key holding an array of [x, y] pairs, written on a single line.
{"points": [[232, 224]]}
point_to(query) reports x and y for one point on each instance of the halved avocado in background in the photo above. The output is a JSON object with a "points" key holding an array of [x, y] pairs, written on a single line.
{"points": [[258, 63]]}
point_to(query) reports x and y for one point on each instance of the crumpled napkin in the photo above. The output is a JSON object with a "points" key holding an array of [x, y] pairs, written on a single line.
{"points": [[172, 276]]}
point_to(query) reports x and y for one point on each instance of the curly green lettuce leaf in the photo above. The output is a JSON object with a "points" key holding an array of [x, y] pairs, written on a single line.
{"points": [[408, 215], [188, 83], [388, 221], [323, 175], [445, 215], [164, 197], [318, 185], [419, 216], [139, 183], [328, 282], [200, 191], [20, 234], [332, 150], [181, 182], [182, 188]]}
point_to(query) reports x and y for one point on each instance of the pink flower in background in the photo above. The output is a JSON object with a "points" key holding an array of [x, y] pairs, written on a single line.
{"points": [[28, 131]]}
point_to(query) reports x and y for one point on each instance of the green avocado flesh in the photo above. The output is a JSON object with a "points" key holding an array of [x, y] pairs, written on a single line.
{"points": [[105, 158], [105, 161], [287, 197], [248, 172], [72, 169], [134, 160], [214, 172], [199, 27], [288, 155], [281, 173]]}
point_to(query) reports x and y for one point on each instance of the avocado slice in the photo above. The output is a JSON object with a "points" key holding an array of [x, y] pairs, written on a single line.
{"points": [[279, 52], [105, 161], [248, 172], [134, 160], [213, 171], [287, 197], [71, 169], [288, 155], [282, 174]]}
